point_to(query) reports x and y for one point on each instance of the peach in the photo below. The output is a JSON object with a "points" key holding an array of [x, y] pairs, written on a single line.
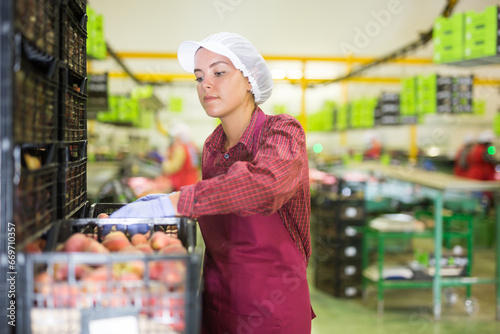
{"points": [[135, 267], [43, 283], [95, 247], [161, 239], [33, 248], [145, 248], [170, 272], [61, 271], [116, 234], [96, 280], [65, 295], [173, 272], [116, 244], [103, 215], [78, 242], [173, 249], [138, 239]]}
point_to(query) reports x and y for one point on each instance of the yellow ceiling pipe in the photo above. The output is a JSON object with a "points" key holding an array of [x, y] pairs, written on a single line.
{"points": [[338, 59], [186, 77]]}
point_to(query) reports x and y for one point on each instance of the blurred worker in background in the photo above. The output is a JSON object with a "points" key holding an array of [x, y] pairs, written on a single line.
{"points": [[461, 166], [481, 159], [373, 146], [182, 159], [253, 204]]}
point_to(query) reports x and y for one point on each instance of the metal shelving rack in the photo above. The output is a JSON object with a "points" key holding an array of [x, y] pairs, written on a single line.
{"points": [[438, 183]]}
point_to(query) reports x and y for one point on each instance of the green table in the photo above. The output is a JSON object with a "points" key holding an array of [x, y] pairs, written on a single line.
{"points": [[439, 183]]}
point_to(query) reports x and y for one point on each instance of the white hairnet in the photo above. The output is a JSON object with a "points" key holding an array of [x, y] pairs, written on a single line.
{"points": [[485, 136], [181, 131], [241, 52]]}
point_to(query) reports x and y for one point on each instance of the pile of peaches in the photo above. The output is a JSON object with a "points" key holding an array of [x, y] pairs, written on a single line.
{"points": [[141, 275]]}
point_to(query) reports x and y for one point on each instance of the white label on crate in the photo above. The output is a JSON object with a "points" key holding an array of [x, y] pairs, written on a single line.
{"points": [[350, 232], [118, 325], [351, 212], [350, 270], [350, 251]]}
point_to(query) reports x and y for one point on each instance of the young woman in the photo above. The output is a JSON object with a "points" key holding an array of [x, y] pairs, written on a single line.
{"points": [[253, 203]]}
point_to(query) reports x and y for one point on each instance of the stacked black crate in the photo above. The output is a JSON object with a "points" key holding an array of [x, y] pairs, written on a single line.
{"points": [[462, 94], [72, 187], [444, 101], [34, 109], [387, 111], [338, 242], [29, 53]]}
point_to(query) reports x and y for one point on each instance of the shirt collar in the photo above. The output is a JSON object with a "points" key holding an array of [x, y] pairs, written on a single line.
{"points": [[246, 139]]}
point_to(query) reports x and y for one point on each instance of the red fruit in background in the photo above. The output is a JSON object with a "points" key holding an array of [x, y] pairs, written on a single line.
{"points": [[78, 242], [103, 215]]}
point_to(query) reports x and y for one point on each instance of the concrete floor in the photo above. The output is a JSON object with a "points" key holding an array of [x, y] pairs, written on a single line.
{"points": [[409, 311]]}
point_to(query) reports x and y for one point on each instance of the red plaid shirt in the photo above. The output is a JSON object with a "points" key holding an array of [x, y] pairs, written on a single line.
{"points": [[276, 180]]}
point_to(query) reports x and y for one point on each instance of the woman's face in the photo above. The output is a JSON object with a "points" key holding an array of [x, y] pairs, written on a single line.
{"points": [[222, 88]]}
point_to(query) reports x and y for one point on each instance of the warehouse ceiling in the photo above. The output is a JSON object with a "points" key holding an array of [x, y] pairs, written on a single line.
{"points": [[291, 27]]}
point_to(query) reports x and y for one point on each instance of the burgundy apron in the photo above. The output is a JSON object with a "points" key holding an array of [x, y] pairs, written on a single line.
{"points": [[255, 277]]}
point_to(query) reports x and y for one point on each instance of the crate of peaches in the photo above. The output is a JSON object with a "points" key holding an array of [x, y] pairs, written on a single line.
{"points": [[143, 274]]}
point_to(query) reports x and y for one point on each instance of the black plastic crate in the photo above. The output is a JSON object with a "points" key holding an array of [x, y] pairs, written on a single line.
{"points": [[35, 106], [351, 210], [183, 228], [74, 41], [52, 303], [339, 230], [76, 6], [327, 249], [38, 22], [72, 178], [340, 269], [35, 190], [349, 288], [73, 116], [351, 190]]}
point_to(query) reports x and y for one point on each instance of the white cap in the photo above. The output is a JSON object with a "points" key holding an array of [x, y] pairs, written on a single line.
{"points": [[485, 136], [181, 131], [242, 54]]}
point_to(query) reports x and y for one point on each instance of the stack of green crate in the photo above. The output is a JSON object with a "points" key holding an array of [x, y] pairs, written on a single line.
{"points": [[122, 109], [481, 33], [343, 117], [426, 95], [408, 97], [448, 38], [109, 116], [478, 107], [356, 113], [368, 112], [96, 45], [322, 120], [496, 124]]}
